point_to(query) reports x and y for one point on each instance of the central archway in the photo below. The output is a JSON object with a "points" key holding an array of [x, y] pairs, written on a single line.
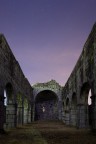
{"points": [[46, 106]]}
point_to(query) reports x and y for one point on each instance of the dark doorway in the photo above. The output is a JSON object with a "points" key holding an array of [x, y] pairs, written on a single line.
{"points": [[46, 106]]}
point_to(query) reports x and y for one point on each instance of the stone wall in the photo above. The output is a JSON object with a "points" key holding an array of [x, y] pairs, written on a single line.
{"points": [[50, 85], [12, 83], [17, 104], [80, 82]]}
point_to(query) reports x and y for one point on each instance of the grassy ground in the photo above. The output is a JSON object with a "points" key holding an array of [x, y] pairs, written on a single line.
{"points": [[22, 135], [47, 133]]}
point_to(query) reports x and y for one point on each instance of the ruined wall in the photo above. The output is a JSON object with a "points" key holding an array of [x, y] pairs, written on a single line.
{"points": [[75, 92], [13, 85], [16, 94]]}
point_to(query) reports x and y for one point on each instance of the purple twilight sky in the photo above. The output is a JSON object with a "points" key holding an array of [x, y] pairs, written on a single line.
{"points": [[47, 36]]}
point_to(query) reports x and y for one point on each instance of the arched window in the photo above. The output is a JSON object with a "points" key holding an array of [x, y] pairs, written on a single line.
{"points": [[5, 98], [67, 104], [86, 94], [89, 97], [74, 100], [8, 93]]}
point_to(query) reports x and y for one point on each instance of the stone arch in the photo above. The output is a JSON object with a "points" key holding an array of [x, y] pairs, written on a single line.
{"points": [[85, 111], [86, 87], [10, 108], [37, 91], [46, 105], [8, 94]]}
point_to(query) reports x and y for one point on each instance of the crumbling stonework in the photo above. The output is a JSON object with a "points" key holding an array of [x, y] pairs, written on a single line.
{"points": [[16, 94], [74, 104], [47, 100], [78, 96], [76, 111]]}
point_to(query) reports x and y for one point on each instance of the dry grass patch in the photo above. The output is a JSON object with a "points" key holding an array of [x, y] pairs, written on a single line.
{"points": [[22, 135], [58, 133], [47, 133]]}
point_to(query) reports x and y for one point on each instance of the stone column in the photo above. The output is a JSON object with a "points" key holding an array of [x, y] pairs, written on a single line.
{"points": [[31, 105], [32, 111], [15, 121], [67, 117], [29, 113], [59, 110], [73, 115], [63, 114], [10, 116], [2, 114], [93, 112], [82, 116], [22, 109], [25, 111]]}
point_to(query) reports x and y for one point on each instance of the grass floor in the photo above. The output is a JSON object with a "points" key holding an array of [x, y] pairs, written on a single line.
{"points": [[47, 133]]}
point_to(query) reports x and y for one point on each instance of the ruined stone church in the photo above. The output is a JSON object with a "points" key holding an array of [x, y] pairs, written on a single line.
{"points": [[74, 104]]}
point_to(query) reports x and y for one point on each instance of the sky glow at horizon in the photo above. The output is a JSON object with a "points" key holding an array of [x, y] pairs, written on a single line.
{"points": [[47, 36]]}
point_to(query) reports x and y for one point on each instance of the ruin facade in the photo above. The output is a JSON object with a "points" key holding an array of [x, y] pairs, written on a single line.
{"points": [[77, 99], [16, 94], [79, 92], [74, 104], [47, 101]]}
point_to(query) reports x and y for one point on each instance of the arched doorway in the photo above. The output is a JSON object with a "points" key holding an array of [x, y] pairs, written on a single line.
{"points": [[46, 106], [85, 106], [8, 94], [9, 106]]}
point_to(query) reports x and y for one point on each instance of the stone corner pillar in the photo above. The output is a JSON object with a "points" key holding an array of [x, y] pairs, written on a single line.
{"points": [[2, 114], [93, 97], [80, 115]]}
